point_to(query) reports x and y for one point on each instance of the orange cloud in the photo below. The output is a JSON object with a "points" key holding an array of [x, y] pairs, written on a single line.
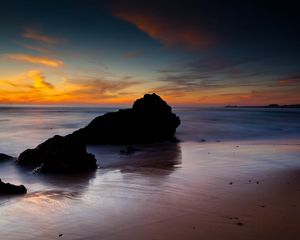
{"points": [[36, 36], [166, 32], [39, 80], [36, 59], [169, 31], [32, 88], [28, 81]]}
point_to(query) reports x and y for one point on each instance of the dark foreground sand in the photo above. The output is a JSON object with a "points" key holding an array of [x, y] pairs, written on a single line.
{"points": [[245, 190]]}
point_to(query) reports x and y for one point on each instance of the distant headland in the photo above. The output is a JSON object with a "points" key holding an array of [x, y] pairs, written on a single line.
{"points": [[266, 106]]}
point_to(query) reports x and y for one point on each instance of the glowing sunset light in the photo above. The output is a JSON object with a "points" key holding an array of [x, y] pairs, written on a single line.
{"points": [[191, 53]]}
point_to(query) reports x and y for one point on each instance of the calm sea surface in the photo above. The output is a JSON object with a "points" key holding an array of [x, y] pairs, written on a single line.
{"points": [[26, 127], [137, 196]]}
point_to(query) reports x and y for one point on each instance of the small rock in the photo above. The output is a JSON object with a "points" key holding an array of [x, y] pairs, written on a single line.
{"points": [[10, 189], [58, 155], [4, 157]]}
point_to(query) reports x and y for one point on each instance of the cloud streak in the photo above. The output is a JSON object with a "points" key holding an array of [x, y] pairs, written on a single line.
{"points": [[39, 80], [33, 87], [293, 80], [33, 34], [211, 74], [224, 81], [164, 25], [50, 62]]}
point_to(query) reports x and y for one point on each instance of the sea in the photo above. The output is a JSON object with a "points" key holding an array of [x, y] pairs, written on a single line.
{"points": [[132, 196], [26, 127]]}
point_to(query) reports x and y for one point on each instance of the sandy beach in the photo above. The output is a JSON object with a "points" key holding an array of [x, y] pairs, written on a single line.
{"points": [[211, 190]]}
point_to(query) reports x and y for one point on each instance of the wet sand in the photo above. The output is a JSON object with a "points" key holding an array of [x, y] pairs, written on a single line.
{"points": [[210, 190]]}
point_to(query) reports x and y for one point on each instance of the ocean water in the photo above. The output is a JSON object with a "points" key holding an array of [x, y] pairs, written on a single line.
{"points": [[230, 124], [26, 127], [164, 191]]}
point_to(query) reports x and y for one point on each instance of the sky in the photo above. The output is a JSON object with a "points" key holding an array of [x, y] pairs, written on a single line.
{"points": [[205, 52]]}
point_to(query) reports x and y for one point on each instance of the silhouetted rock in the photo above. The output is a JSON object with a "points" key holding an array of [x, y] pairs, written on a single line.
{"points": [[59, 155], [9, 189], [4, 157], [149, 120]]}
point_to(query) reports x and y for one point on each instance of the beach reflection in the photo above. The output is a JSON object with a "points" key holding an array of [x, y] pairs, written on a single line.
{"points": [[59, 187], [78, 181], [162, 156], [46, 188]]}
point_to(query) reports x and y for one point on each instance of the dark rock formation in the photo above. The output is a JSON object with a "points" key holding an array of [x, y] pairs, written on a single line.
{"points": [[149, 120], [4, 157], [59, 155], [10, 189]]}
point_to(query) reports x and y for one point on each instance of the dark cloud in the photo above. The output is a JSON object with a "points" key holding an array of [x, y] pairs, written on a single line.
{"points": [[211, 74], [171, 24], [198, 25], [293, 80]]}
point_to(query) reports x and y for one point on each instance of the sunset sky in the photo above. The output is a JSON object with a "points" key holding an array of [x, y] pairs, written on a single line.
{"points": [[204, 52]]}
